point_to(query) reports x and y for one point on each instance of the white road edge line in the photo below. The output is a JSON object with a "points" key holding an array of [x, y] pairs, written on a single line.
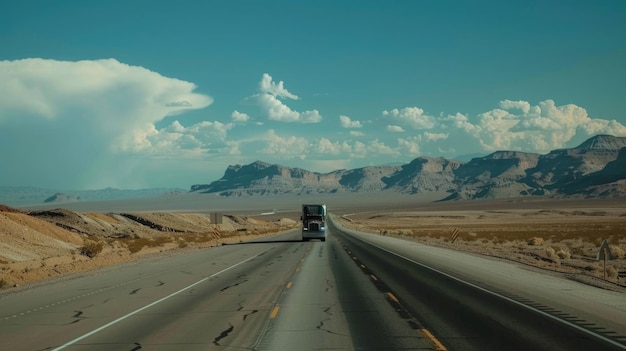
{"points": [[570, 324], [69, 343]]}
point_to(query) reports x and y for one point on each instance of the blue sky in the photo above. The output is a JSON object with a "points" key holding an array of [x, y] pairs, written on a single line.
{"points": [[134, 94]]}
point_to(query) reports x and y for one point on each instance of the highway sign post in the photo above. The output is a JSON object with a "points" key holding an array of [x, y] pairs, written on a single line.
{"points": [[604, 254]]}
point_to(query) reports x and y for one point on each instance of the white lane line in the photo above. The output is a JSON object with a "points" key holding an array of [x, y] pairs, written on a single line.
{"points": [[563, 321], [69, 343]]}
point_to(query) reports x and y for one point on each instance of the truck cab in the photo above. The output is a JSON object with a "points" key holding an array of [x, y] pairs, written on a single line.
{"points": [[313, 222]]}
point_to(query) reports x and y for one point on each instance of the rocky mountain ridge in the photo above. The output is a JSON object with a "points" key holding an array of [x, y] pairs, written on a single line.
{"points": [[597, 167]]}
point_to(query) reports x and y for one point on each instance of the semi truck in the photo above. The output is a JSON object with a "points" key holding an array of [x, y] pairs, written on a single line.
{"points": [[313, 222]]}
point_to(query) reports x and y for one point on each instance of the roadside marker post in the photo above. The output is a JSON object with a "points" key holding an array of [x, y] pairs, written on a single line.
{"points": [[604, 254]]}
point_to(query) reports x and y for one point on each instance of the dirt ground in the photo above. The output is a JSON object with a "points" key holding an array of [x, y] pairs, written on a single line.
{"points": [[39, 245], [542, 235], [552, 235]]}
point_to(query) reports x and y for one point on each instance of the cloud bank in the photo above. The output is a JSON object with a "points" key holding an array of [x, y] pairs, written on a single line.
{"points": [[81, 114], [89, 124]]}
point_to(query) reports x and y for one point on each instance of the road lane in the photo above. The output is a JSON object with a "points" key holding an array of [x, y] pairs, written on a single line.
{"points": [[273, 294], [331, 304], [280, 293], [68, 309], [463, 314]]}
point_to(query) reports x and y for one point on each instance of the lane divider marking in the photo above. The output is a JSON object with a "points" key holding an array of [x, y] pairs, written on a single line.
{"points": [[72, 342], [274, 312], [288, 285], [434, 340], [391, 296], [509, 299]]}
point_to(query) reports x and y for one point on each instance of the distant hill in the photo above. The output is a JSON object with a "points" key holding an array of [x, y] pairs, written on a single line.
{"points": [[596, 167], [17, 196]]}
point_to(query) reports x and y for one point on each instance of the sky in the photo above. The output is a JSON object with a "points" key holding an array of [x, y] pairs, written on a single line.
{"points": [[152, 93]]}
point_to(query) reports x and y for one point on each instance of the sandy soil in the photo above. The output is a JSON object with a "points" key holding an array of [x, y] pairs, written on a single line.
{"points": [[554, 235], [39, 245]]}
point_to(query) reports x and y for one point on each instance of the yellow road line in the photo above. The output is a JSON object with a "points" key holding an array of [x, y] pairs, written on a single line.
{"points": [[274, 312], [434, 340], [391, 296]]}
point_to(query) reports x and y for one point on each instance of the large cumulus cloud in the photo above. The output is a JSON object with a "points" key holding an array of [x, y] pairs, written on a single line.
{"points": [[81, 117], [543, 127]]}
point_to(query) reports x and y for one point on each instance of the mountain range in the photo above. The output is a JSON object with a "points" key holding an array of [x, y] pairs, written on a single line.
{"points": [[595, 168]]}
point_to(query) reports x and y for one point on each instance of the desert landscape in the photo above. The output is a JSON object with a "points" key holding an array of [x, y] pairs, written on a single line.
{"points": [[557, 236], [40, 245]]}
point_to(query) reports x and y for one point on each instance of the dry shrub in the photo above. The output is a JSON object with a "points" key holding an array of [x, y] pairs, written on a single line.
{"points": [[594, 267], [551, 253], [135, 245], [91, 248], [563, 254], [535, 241], [617, 251], [611, 272]]}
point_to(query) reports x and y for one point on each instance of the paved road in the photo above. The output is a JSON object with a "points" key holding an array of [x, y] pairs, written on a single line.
{"points": [[281, 294], [350, 293], [475, 303]]}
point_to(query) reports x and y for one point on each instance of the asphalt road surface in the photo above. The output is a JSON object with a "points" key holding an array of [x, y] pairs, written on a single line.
{"points": [[352, 292]]}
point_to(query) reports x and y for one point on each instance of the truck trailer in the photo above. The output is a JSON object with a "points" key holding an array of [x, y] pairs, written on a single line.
{"points": [[313, 222]]}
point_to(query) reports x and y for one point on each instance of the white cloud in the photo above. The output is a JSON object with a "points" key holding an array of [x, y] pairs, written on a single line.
{"points": [[523, 106], [284, 146], [435, 136], [346, 122], [409, 145], [118, 102], [395, 129], [513, 125], [91, 112], [356, 133], [276, 110], [327, 147], [518, 125], [268, 86], [378, 147], [239, 116], [413, 117]]}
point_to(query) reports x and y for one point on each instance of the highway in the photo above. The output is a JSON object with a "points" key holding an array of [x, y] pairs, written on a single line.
{"points": [[352, 292]]}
